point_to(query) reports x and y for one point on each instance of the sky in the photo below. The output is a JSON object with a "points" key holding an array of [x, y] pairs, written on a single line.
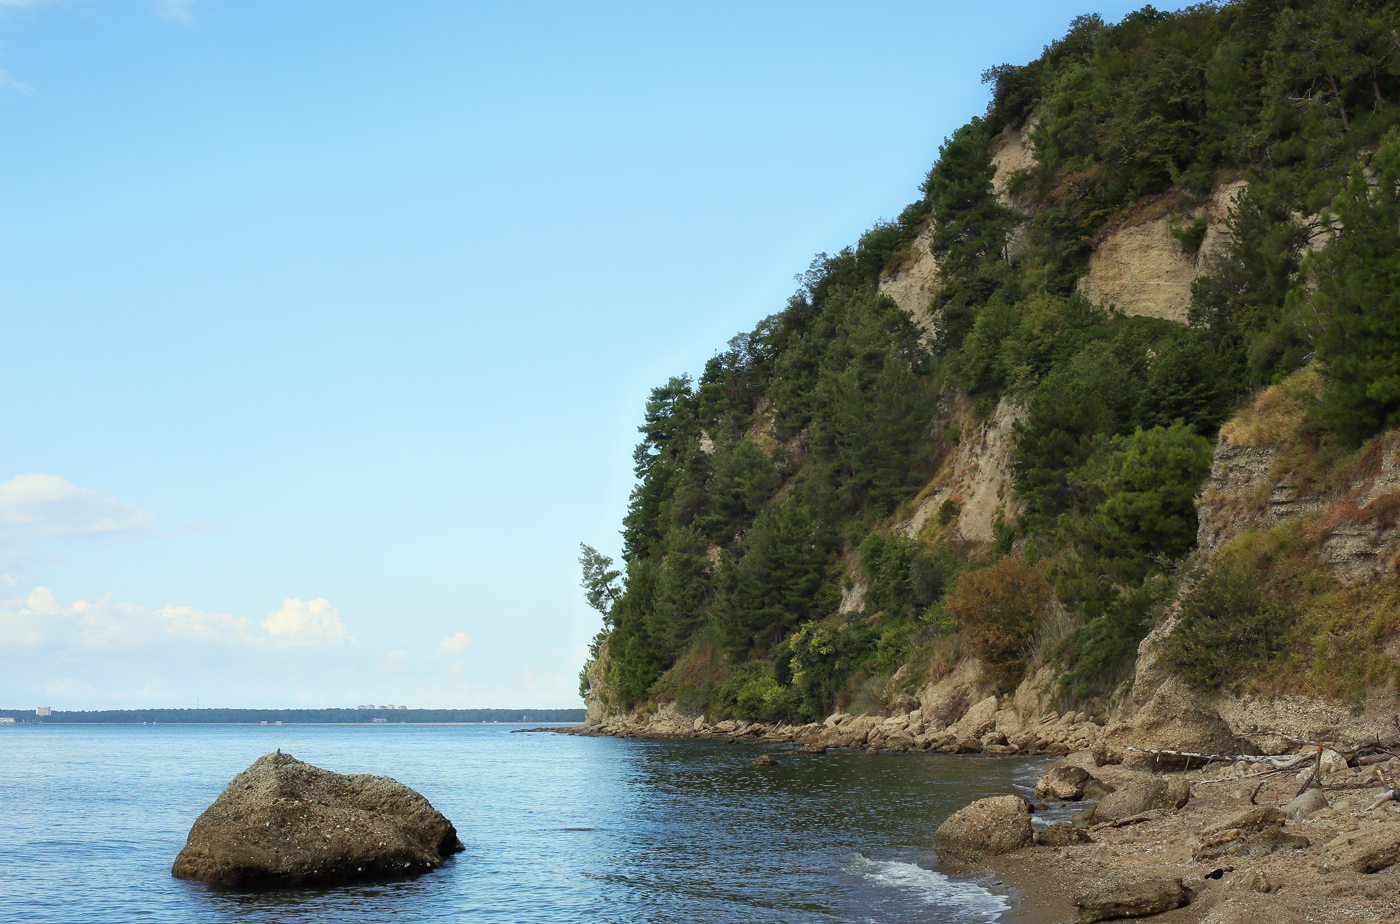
{"points": [[329, 325]]}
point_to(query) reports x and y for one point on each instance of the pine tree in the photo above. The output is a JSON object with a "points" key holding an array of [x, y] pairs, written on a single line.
{"points": [[682, 593], [1357, 300]]}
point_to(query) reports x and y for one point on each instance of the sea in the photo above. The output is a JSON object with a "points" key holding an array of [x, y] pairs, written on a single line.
{"points": [[558, 828]]}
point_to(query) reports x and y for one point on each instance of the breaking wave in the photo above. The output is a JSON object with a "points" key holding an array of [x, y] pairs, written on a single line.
{"points": [[971, 901]]}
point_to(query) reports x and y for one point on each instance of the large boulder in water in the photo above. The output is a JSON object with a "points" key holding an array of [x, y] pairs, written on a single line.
{"points": [[285, 822], [987, 827]]}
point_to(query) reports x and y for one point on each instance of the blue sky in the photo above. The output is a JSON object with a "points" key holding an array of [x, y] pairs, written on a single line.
{"points": [[329, 325]]}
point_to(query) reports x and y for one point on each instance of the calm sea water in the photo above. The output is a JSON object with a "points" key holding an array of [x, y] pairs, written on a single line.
{"points": [[557, 828]]}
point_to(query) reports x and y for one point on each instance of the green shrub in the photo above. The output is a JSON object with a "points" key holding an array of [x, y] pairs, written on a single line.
{"points": [[1190, 236], [1230, 625], [819, 658], [1099, 653], [999, 608], [751, 691]]}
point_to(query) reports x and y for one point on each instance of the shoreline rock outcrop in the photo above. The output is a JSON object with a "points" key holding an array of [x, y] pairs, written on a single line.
{"points": [[283, 822], [986, 828]]}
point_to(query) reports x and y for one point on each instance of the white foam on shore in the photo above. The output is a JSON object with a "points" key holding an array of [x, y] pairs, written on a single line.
{"points": [[931, 887]]}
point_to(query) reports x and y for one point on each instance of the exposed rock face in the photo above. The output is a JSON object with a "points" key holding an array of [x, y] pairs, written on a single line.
{"points": [[913, 285], [1373, 848], [1141, 268], [987, 827], [980, 719], [1177, 719], [285, 822], [1129, 898], [1312, 800], [981, 475], [1255, 831], [1245, 492], [1011, 153], [984, 472], [1230, 500], [1143, 796], [1063, 783], [599, 695]]}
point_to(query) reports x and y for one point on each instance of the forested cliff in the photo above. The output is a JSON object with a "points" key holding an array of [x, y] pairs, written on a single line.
{"points": [[983, 430]]}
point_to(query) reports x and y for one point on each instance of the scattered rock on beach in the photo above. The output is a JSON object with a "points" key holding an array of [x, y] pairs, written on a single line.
{"points": [[1369, 850], [1249, 880], [284, 822], [1253, 832], [1129, 898], [1312, 800], [1062, 834], [1063, 783], [1143, 796], [1095, 789], [987, 827]]}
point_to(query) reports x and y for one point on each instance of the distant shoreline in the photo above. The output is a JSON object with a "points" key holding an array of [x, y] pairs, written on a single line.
{"points": [[295, 717], [320, 724]]}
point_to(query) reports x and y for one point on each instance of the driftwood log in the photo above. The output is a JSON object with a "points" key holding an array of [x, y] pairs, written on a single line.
{"points": [[1374, 750]]}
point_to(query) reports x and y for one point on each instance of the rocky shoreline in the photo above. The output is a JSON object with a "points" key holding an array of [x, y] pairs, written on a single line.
{"points": [[985, 728], [1230, 842], [1242, 849]]}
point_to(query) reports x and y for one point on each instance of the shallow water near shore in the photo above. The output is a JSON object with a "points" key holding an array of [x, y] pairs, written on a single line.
{"points": [[557, 828]]}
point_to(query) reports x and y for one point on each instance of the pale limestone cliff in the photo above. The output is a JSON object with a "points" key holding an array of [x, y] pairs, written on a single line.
{"points": [[1137, 265], [913, 284], [980, 482], [1012, 152], [852, 598]]}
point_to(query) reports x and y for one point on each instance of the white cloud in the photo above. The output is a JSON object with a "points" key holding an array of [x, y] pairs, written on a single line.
{"points": [[189, 622], [41, 622], [306, 622], [179, 10], [47, 505], [104, 653], [41, 601], [455, 644]]}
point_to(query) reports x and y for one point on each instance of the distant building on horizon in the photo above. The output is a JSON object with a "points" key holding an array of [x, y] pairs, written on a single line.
{"points": [[43, 711]]}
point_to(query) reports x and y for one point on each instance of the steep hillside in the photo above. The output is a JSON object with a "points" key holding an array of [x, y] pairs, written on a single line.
{"points": [[957, 475]]}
